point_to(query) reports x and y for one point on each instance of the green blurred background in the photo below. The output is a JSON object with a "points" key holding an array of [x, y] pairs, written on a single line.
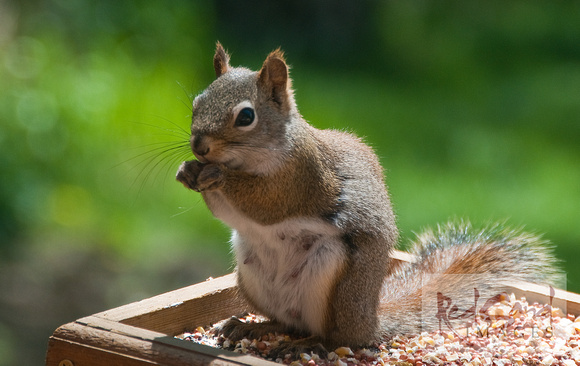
{"points": [[473, 107]]}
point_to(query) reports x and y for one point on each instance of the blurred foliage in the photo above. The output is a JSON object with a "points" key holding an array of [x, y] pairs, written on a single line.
{"points": [[473, 108]]}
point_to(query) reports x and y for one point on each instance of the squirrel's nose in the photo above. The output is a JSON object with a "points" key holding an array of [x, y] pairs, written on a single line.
{"points": [[199, 145]]}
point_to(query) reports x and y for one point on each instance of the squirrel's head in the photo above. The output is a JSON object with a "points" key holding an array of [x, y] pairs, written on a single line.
{"points": [[241, 120]]}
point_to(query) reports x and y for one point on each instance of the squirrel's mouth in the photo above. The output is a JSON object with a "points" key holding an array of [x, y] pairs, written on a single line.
{"points": [[231, 163], [201, 158]]}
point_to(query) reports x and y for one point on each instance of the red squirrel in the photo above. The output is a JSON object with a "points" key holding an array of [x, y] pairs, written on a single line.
{"points": [[313, 226]]}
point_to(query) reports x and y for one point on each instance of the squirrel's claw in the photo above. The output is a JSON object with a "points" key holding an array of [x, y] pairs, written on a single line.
{"points": [[199, 177], [234, 329], [188, 172], [295, 348], [210, 178]]}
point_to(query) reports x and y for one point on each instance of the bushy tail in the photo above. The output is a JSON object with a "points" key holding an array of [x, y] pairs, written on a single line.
{"points": [[463, 266]]}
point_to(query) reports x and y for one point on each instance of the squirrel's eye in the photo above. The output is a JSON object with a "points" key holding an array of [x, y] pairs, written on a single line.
{"points": [[245, 117]]}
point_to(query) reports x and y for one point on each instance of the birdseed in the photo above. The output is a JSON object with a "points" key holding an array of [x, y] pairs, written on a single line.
{"points": [[511, 333]]}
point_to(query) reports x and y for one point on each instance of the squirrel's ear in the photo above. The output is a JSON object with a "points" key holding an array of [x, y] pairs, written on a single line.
{"points": [[221, 60], [273, 78]]}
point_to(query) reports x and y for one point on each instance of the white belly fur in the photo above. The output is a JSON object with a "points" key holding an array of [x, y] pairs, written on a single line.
{"points": [[288, 269]]}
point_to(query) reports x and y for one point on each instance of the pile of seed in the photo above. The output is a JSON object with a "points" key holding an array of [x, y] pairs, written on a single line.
{"points": [[512, 332]]}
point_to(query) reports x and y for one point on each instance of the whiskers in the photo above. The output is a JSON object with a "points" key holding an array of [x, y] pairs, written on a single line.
{"points": [[160, 159]]}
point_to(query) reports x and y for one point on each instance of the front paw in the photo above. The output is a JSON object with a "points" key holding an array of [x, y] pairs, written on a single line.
{"points": [[198, 176], [210, 178], [235, 330]]}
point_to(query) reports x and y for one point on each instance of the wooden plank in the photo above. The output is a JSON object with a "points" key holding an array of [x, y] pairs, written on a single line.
{"points": [[63, 352], [102, 342], [190, 313], [170, 299], [568, 302], [184, 309]]}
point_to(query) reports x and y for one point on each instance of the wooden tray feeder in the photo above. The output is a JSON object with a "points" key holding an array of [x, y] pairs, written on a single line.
{"points": [[143, 333]]}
